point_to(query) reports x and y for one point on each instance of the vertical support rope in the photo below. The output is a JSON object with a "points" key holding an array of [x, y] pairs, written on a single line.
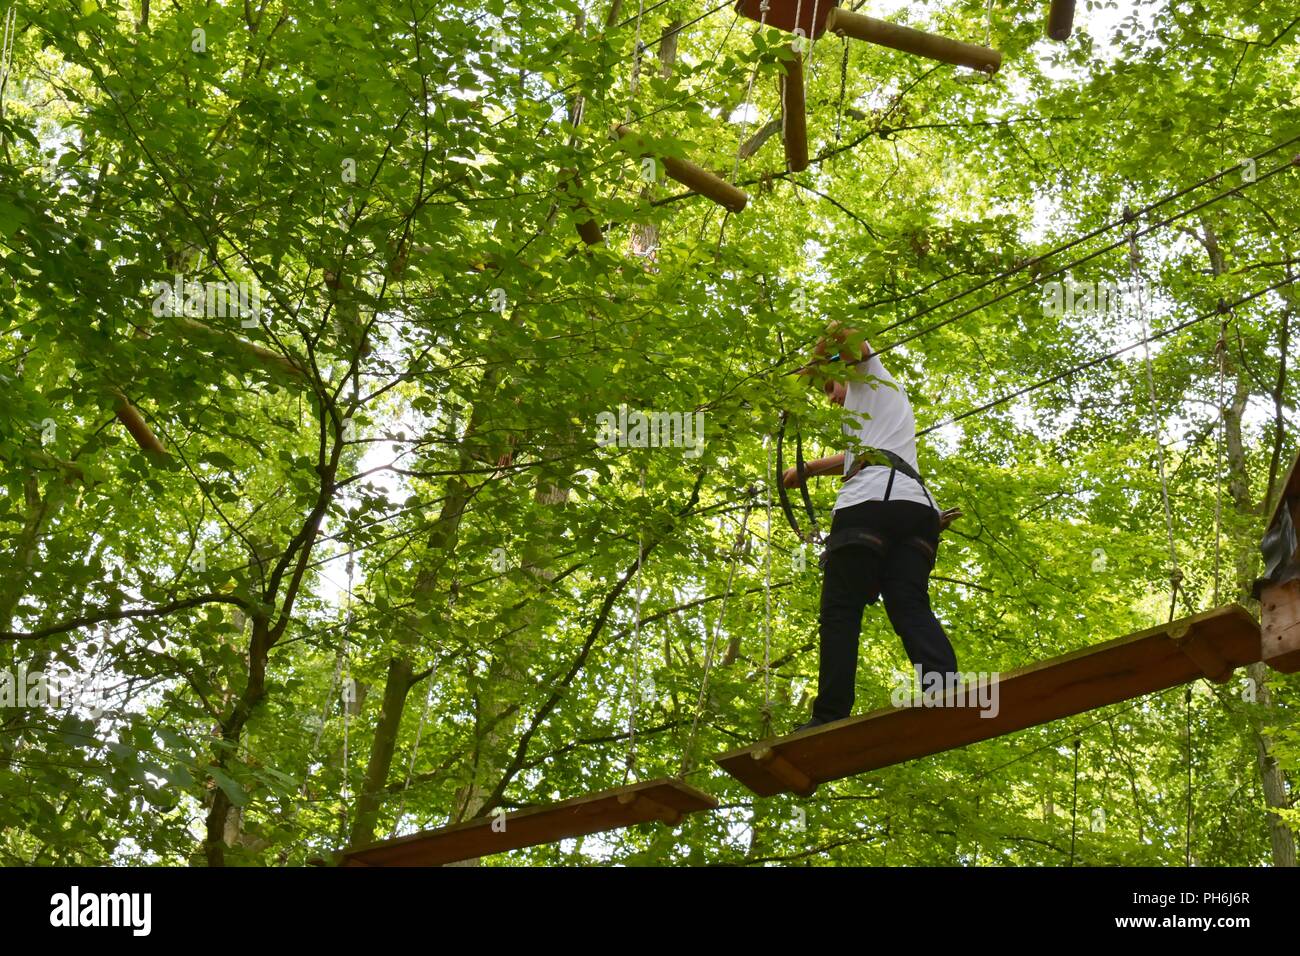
{"points": [[713, 638], [1221, 355], [749, 92], [6, 57], [348, 683], [1188, 700], [638, 52], [767, 586], [1175, 573], [1074, 806], [812, 43], [415, 749], [636, 660]]}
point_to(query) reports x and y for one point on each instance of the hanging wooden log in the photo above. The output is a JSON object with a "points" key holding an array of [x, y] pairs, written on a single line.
{"points": [[134, 423], [916, 42], [1060, 19], [794, 121], [587, 226], [688, 174]]}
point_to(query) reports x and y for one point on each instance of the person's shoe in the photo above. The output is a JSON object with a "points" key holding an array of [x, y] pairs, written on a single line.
{"points": [[815, 722]]}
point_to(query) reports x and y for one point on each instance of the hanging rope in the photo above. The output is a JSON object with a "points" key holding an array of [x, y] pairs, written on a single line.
{"points": [[351, 686], [639, 50], [812, 43], [1221, 359], [713, 638], [1187, 699], [767, 593], [749, 91], [1175, 573], [1074, 805], [636, 660], [6, 56], [410, 767]]}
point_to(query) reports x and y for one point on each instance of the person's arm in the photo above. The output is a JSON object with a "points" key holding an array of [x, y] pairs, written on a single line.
{"points": [[811, 469], [839, 344]]}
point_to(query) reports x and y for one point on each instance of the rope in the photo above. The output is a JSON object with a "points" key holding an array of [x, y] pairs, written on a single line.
{"points": [[713, 638], [812, 44], [749, 91], [1074, 805], [1235, 190], [767, 592], [636, 661], [1187, 698], [410, 767], [1221, 356], [638, 52], [1175, 573], [6, 56], [988, 23], [1084, 366], [347, 705]]}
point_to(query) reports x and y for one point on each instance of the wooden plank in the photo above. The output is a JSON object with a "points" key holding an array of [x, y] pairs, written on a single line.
{"points": [[1280, 612], [663, 800], [915, 42], [1152, 660]]}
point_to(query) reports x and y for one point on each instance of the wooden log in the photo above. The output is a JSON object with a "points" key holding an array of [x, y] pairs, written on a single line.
{"points": [[794, 122], [134, 423], [916, 42], [1060, 20], [689, 175]]}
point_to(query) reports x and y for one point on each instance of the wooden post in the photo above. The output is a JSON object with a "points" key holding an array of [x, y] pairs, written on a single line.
{"points": [[1280, 626], [897, 37], [1279, 600], [691, 176], [1060, 19], [794, 122]]}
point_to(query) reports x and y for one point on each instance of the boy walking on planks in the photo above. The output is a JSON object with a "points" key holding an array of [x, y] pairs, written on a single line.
{"points": [[884, 529]]}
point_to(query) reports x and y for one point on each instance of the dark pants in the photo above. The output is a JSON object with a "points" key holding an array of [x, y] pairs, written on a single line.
{"points": [[897, 569]]}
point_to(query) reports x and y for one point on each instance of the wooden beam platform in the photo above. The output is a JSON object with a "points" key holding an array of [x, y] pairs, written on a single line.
{"points": [[663, 801], [1209, 645]]}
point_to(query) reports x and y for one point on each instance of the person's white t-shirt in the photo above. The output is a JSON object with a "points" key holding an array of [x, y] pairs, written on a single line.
{"points": [[885, 420]]}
